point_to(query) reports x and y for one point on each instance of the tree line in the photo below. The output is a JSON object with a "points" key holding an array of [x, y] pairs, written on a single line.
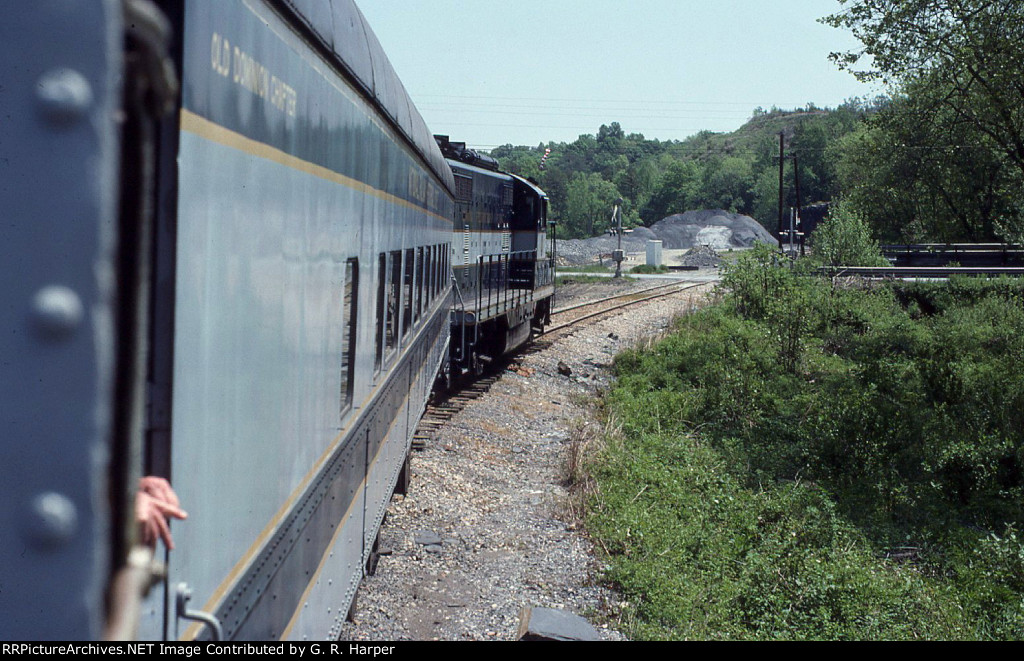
{"points": [[735, 171]]}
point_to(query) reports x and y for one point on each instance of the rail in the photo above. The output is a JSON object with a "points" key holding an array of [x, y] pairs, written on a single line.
{"points": [[611, 298], [677, 288]]}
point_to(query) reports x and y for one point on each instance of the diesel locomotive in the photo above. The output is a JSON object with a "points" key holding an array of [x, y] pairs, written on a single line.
{"points": [[503, 265]]}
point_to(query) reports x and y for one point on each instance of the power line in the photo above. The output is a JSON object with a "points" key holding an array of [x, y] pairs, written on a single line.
{"points": [[639, 102], [585, 112], [725, 149]]}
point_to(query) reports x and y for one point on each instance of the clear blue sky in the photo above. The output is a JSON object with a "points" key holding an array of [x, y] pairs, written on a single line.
{"points": [[491, 72]]}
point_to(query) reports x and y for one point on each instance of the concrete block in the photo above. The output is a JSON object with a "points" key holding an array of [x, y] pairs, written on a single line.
{"points": [[553, 624], [654, 253]]}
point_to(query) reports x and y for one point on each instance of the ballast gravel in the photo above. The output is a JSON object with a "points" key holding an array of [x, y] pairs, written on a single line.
{"points": [[486, 528]]}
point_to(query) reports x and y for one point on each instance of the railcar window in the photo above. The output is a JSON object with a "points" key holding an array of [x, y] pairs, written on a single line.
{"points": [[408, 269], [419, 284], [394, 293], [439, 283], [382, 275], [350, 307], [435, 279], [438, 256], [440, 272], [426, 278], [430, 272]]}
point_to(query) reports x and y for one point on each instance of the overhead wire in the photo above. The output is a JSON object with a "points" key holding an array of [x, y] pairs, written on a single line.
{"points": [[697, 114]]}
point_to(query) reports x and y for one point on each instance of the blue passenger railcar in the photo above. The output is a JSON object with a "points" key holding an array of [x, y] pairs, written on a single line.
{"points": [[313, 219], [281, 260]]}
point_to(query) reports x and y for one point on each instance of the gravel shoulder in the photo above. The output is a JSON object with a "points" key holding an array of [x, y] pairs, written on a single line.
{"points": [[486, 529]]}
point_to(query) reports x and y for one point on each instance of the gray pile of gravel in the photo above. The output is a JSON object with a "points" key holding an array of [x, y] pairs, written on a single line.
{"points": [[712, 227], [701, 257], [584, 251]]}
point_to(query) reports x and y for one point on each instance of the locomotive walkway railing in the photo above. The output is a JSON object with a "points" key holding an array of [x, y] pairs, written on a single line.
{"points": [[506, 281]]}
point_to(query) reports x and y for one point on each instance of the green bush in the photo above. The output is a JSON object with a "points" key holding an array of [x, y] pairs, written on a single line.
{"points": [[845, 240], [755, 280], [776, 448], [649, 268]]}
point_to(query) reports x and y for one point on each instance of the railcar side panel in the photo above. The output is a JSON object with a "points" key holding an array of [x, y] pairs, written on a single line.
{"points": [[291, 187]]}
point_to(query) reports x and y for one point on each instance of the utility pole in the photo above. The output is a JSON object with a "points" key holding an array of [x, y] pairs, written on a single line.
{"points": [[782, 162], [799, 225]]}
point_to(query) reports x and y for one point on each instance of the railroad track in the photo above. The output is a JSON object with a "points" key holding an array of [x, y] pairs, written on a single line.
{"points": [[928, 272], [629, 299], [439, 412], [641, 292], [444, 408]]}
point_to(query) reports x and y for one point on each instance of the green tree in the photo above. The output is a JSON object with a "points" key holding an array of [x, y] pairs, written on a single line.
{"points": [[918, 173], [589, 203], [637, 181], [962, 57], [675, 192], [765, 192], [874, 175], [845, 240], [519, 160], [728, 184]]}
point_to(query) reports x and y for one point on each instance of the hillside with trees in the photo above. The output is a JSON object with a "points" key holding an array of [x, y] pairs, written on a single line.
{"points": [[736, 171]]}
